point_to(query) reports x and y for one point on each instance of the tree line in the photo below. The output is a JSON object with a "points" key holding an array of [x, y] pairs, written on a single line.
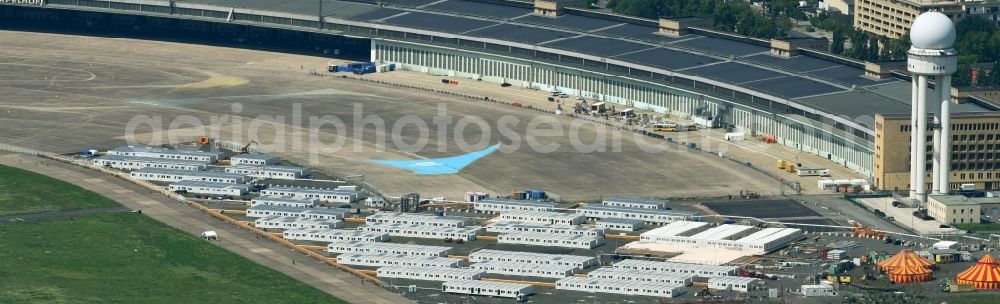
{"points": [[978, 38], [769, 21]]}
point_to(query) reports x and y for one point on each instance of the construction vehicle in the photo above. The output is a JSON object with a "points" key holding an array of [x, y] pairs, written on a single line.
{"points": [[790, 167], [246, 149]]}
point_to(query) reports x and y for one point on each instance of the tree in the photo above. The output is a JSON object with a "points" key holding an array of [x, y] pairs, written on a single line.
{"points": [[837, 44], [994, 78]]}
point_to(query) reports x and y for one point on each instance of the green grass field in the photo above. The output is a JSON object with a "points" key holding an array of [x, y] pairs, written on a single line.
{"points": [[125, 258], [130, 258], [978, 227], [23, 192]]}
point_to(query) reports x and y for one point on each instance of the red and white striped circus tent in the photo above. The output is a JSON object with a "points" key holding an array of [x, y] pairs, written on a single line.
{"points": [[985, 274], [910, 274], [904, 259]]}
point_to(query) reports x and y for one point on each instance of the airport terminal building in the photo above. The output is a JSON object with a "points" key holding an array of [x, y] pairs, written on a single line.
{"points": [[808, 100]]}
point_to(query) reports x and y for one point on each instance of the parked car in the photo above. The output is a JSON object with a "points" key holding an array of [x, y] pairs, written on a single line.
{"points": [[943, 226]]}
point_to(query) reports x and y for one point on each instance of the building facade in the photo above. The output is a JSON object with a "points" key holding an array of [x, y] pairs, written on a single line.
{"points": [[954, 209], [975, 152], [892, 18]]}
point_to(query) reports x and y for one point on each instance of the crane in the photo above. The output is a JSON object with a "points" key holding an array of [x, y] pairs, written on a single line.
{"points": [[246, 149]]}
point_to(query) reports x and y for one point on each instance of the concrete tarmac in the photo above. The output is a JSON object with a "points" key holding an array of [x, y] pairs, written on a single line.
{"points": [[67, 93]]}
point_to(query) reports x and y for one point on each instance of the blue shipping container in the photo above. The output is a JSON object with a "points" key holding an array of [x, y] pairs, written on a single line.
{"points": [[536, 194], [392, 66]]}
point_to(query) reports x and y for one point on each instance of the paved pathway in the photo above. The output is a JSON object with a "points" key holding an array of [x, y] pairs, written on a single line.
{"points": [[175, 214]]}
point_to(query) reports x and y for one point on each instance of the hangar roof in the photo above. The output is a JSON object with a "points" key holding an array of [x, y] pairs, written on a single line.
{"points": [[814, 81]]}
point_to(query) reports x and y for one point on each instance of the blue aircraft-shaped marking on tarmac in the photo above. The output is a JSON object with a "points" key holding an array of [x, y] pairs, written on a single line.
{"points": [[445, 165]]}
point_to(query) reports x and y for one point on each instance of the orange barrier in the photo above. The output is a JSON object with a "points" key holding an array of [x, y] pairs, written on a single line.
{"points": [[581, 275], [532, 283], [462, 257], [313, 247], [354, 219], [236, 212], [622, 237], [486, 238]]}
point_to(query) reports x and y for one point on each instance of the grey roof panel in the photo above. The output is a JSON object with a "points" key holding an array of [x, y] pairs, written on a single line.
{"points": [[518, 33], [723, 46], [846, 74], [436, 22], [635, 31], [479, 9], [797, 63], [793, 87], [598, 46], [733, 72], [376, 14], [410, 3], [574, 22], [667, 59]]}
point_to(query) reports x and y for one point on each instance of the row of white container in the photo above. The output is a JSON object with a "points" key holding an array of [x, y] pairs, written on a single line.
{"points": [[383, 259], [318, 213], [426, 232], [513, 227], [361, 247], [551, 239], [534, 258], [294, 222], [416, 219]]}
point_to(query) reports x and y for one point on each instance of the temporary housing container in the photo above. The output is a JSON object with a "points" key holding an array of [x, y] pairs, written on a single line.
{"points": [[340, 196], [525, 269], [175, 175], [577, 261], [492, 205], [212, 188], [382, 259], [428, 273], [135, 163], [551, 240], [660, 290], [519, 292], [543, 217], [743, 284], [270, 172], [253, 159], [286, 201], [165, 153], [294, 222], [361, 247], [620, 224], [635, 202], [511, 227], [333, 235], [426, 232]]}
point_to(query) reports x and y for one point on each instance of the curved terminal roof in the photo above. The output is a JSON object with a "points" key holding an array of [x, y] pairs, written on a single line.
{"points": [[833, 86]]}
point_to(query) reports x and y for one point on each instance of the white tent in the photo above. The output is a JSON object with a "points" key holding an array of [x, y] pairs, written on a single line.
{"points": [[209, 235]]}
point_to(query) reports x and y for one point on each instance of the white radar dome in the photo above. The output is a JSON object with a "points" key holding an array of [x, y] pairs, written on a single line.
{"points": [[932, 30]]}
